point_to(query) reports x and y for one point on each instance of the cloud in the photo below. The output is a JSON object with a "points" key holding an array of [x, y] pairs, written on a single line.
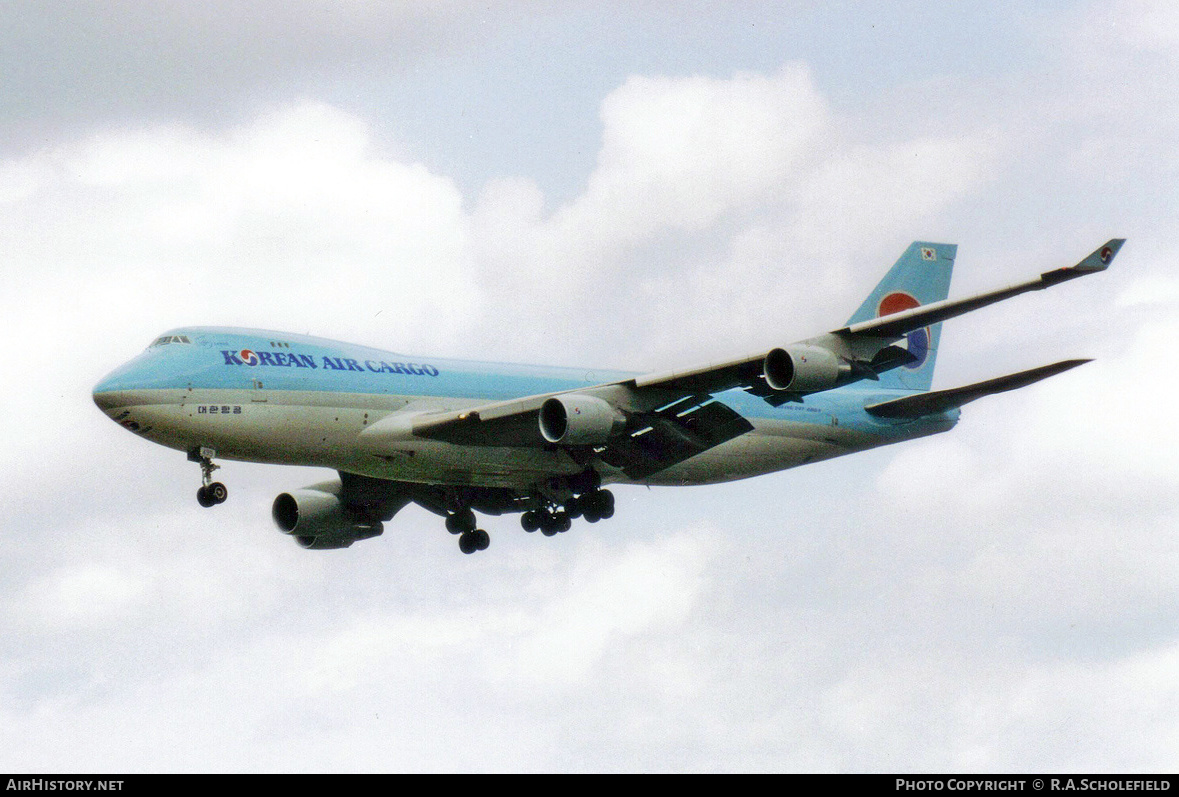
{"points": [[761, 179], [677, 153], [648, 589], [83, 65], [289, 218], [82, 596], [1144, 25]]}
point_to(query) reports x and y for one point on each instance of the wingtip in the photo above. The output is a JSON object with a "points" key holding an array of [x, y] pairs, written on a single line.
{"points": [[1102, 256], [1060, 367]]}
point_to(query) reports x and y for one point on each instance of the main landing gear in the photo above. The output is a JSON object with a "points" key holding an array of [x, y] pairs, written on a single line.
{"points": [[555, 509], [550, 520], [471, 539], [210, 492]]}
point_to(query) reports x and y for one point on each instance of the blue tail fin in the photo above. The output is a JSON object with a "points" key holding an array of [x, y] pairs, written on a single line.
{"points": [[920, 276]]}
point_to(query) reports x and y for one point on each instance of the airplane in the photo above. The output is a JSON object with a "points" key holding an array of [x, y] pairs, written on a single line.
{"points": [[459, 437]]}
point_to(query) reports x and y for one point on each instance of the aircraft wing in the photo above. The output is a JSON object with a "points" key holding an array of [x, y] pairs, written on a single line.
{"points": [[867, 347], [649, 422], [897, 324], [654, 429], [501, 423]]}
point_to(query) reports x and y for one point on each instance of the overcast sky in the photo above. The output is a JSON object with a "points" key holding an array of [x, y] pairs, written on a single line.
{"points": [[635, 185]]}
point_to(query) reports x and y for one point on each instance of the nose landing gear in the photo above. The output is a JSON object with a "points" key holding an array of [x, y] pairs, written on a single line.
{"points": [[210, 492]]}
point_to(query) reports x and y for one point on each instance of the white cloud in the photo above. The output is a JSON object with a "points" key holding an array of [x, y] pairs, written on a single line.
{"points": [[284, 223], [83, 596], [755, 172], [679, 152], [1149, 25], [648, 589]]}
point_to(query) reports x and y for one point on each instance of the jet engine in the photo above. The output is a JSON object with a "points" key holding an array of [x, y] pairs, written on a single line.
{"points": [[318, 520], [578, 420], [804, 369]]}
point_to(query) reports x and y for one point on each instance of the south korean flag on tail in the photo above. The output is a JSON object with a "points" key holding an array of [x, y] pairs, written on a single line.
{"points": [[928, 253]]}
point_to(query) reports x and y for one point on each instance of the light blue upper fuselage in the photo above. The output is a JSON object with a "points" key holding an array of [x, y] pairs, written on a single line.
{"points": [[212, 358]]}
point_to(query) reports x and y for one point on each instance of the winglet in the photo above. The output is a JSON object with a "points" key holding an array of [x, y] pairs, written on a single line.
{"points": [[1098, 260], [1101, 257]]}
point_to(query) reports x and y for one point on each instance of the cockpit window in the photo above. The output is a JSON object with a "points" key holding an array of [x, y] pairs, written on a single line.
{"points": [[164, 340]]}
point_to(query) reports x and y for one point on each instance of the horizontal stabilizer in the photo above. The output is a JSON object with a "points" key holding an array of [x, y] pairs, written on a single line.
{"points": [[942, 400]]}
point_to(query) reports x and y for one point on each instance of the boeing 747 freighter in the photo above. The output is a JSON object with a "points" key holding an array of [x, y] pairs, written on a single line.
{"points": [[461, 438]]}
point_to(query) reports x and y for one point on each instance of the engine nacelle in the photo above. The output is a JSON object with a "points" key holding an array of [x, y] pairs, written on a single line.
{"points": [[574, 419], [317, 519], [803, 369]]}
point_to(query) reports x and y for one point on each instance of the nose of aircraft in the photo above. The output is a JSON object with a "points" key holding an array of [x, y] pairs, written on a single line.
{"points": [[104, 397], [156, 367], [110, 393]]}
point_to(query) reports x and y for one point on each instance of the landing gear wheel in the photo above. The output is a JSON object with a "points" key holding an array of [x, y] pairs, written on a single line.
{"points": [[210, 492], [575, 507], [603, 503], [530, 521], [474, 540], [461, 521], [217, 492]]}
